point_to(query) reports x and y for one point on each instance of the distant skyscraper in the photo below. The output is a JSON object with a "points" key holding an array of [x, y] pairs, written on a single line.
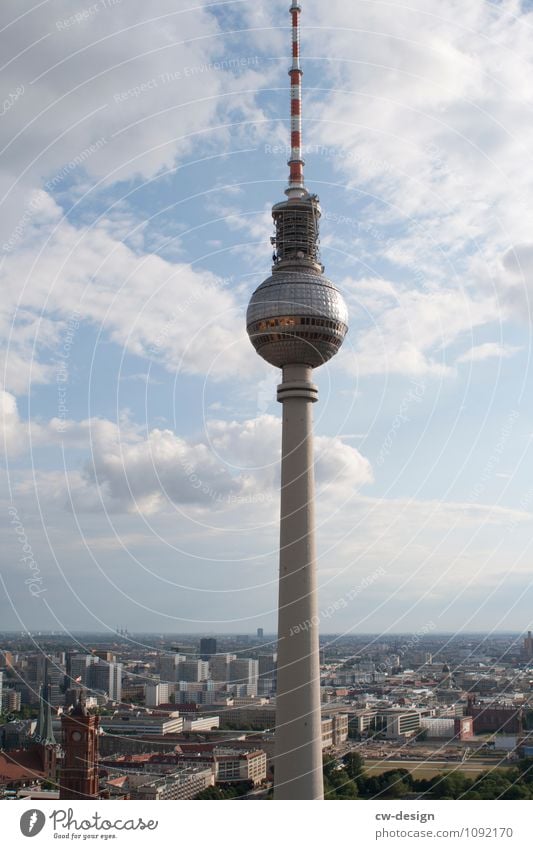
{"points": [[6, 659], [528, 645], [77, 668], [106, 677], [243, 675], [260, 633], [194, 670], [208, 647], [158, 693], [169, 667], [267, 666], [11, 700], [297, 320], [219, 666]]}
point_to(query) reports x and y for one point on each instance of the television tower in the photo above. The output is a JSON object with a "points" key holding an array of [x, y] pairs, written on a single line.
{"points": [[297, 320]]}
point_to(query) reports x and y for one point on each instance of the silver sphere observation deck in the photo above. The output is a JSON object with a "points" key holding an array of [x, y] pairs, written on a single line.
{"points": [[297, 315]]}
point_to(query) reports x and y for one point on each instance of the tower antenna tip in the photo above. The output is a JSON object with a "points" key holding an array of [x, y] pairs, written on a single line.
{"points": [[296, 187]]}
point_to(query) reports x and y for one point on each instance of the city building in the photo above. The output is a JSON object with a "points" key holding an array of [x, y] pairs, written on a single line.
{"points": [[250, 716], [193, 670], [267, 674], [6, 659], [243, 676], [77, 668], [363, 721], [219, 666], [208, 647], [38, 760], [11, 700], [105, 677], [200, 723], [334, 730], [235, 766], [79, 774], [489, 716], [448, 727], [158, 693], [528, 646], [169, 667], [185, 783], [142, 723], [401, 724], [340, 729], [327, 732]]}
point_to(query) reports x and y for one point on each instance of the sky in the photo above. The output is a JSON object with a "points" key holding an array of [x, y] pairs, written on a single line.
{"points": [[142, 148]]}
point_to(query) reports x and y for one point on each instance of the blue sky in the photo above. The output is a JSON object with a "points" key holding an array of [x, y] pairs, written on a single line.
{"points": [[142, 153]]}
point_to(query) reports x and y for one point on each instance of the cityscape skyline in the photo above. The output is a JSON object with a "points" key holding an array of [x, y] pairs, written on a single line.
{"points": [[434, 716]]}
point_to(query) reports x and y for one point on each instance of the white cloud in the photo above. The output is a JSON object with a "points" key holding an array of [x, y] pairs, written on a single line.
{"points": [[169, 312], [488, 350], [235, 462], [122, 91], [410, 331], [13, 436], [514, 276]]}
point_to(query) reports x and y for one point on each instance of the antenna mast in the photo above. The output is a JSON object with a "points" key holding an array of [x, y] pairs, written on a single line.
{"points": [[296, 163]]}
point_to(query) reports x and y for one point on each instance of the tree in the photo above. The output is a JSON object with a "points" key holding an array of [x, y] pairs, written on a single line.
{"points": [[395, 783], [337, 782], [449, 786], [354, 765]]}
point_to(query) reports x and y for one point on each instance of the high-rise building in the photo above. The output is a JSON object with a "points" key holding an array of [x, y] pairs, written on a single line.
{"points": [[267, 669], [107, 678], [528, 645], [77, 668], [36, 670], [260, 633], [208, 647], [219, 666], [158, 693], [6, 659], [11, 701], [79, 775], [243, 675], [194, 670], [297, 320], [169, 667]]}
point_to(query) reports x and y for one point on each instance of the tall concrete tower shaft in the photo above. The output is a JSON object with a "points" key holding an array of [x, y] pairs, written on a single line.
{"points": [[297, 320], [298, 763]]}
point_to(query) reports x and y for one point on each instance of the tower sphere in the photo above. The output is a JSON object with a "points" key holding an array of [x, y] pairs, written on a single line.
{"points": [[297, 316]]}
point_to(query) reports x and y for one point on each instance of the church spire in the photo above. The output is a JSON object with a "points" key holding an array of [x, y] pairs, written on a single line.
{"points": [[45, 730]]}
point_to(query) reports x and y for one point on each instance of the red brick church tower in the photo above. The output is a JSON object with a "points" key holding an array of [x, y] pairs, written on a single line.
{"points": [[79, 776]]}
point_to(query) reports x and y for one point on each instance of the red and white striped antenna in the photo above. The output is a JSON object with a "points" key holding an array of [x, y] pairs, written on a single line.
{"points": [[296, 186]]}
